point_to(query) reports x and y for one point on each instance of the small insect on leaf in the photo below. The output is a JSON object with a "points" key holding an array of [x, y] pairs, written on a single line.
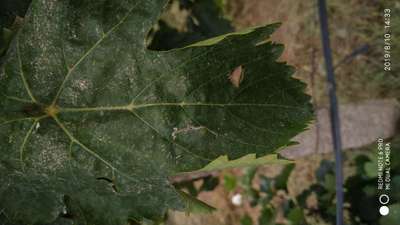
{"points": [[237, 75]]}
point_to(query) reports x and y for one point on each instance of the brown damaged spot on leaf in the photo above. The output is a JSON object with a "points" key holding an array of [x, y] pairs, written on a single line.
{"points": [[236, 77]]}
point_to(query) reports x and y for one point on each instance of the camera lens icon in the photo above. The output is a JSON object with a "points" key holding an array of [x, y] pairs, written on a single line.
{"points": [[384, 200]]}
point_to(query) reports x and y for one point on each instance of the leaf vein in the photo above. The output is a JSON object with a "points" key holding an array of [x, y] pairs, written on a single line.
{"points": [[131, 107], [88, 52], [75, 140], [166, 139], [217, 134], [21, 72], [171, 72], [16, 120], [88, 150], [25, 140], [17, 99]]}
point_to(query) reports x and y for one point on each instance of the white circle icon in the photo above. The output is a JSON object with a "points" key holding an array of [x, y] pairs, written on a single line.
{"points": [[384, 210]]}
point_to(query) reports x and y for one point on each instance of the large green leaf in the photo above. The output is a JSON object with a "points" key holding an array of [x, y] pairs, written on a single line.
{"points": [[93, 123]]}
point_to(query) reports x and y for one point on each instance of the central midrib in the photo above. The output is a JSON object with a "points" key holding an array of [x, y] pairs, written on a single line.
{"points": [[131, 107]]}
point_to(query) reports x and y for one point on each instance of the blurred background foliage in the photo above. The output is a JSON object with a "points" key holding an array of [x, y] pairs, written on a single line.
{"points": [[315, 204], [188, 21]]}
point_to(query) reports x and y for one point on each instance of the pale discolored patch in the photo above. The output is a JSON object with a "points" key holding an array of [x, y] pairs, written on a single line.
{"points": [[237, 75], [186, 129]]}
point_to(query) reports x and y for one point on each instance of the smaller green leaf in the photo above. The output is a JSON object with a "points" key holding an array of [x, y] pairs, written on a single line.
{"points": [[329, 182], [324, 168], [296, 216], [282, 178], [360, 161], [267, 217], [217, 39], [370, 169], [230, 182], [223, 162], [254, 197], [331, 211], [246, 220], [247, 178], [222, 4]]}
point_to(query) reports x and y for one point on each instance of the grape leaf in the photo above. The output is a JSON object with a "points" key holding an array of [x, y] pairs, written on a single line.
{"points": [[92, 123]]}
